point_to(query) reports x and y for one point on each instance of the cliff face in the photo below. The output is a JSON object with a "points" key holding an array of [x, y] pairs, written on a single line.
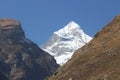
{"points": [[20, 58], [97, 60]]}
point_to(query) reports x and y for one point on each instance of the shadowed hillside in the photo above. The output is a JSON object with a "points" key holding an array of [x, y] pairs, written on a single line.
{"points": [[20, 58]]}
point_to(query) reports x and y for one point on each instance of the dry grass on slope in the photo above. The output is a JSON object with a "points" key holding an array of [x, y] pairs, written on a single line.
{"points": [[97, 60]]}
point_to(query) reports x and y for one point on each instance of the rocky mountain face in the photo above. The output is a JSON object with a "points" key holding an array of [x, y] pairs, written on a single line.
{"points": [[20, 58], [64, 42], [3, 77], [97, 60]]}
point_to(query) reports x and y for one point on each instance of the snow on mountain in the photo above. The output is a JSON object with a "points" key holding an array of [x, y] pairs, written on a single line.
{"points": [[64, 42]]}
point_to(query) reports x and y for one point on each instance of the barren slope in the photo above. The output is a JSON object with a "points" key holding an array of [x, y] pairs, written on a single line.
{"points": [[98, 60]]}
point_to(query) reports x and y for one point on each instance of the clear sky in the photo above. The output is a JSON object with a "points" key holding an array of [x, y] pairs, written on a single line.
{"points": [[40, 18]]}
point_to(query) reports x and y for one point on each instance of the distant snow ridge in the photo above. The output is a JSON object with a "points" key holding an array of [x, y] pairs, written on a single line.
{"points": [[64, 42]]}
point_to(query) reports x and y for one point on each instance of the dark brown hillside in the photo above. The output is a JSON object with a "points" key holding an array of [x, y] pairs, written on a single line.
{"points": [[20, 58], [97, 60]]}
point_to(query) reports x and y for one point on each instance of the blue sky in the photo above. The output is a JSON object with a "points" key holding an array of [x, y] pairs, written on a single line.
{"points": [[40, 18]]}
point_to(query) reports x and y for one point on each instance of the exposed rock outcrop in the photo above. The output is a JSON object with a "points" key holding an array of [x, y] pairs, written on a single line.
{"points": [[20, 58]]}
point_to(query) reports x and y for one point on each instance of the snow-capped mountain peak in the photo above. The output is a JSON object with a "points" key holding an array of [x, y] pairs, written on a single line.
{"points": [[64, 42], [72, 25], [68, 29]]}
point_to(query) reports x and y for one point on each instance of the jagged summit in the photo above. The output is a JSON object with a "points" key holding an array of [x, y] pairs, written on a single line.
{"points": [[64, 42], [69, 29], [71, 25]]}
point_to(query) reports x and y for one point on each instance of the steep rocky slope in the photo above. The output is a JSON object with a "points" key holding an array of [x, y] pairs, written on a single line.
{"points": [[97, 60], [20, 58]]}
